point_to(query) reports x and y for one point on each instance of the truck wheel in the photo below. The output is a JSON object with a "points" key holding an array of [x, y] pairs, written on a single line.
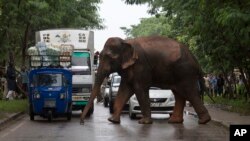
{"points": [[31, 113]]}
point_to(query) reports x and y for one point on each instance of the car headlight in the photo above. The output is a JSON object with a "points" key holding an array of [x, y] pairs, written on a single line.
{"points": [[172, 98], [62, 95]]}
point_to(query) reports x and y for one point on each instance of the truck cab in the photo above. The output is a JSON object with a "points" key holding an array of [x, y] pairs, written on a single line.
{"points": [[82, 78]]}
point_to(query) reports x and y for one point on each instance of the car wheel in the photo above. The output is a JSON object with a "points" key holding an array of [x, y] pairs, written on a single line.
{"points": [[105, 102], [170, 114], [132, 115]]}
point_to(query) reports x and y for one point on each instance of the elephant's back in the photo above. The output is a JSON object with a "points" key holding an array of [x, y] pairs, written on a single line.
{"points": [[159, 48]]}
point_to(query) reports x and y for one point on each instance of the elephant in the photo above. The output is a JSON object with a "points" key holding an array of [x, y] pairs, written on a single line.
{"points": [[144, 62]]}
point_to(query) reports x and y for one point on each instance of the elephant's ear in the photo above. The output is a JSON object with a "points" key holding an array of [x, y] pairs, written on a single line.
{"points": [[129, 56]]}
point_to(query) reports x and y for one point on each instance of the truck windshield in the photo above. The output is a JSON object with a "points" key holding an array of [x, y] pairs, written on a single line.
{"points": [[54, 80], [81, 59]]}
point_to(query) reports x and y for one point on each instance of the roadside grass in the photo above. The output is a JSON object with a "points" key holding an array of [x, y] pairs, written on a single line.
{"points": [[234, 105], [12, 106]]}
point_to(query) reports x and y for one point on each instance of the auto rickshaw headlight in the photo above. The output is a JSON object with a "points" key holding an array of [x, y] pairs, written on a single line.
{"points": [[37, 95], [62, 95]]}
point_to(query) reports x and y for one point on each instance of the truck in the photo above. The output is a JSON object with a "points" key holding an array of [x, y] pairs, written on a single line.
{"points": [[82, 67]]}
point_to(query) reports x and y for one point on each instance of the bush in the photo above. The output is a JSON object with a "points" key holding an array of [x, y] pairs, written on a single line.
{"points": [[235, 105]]}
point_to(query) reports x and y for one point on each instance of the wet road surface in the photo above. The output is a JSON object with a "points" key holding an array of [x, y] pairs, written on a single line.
{"points": [[98, 128]]}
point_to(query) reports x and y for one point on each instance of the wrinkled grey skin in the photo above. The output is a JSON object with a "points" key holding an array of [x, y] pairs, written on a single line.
{"points": [[151, 61]]}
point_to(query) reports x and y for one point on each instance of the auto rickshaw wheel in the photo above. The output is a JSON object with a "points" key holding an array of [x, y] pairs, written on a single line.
{"points": [[69, 115], [49, 115], [31, 113]]}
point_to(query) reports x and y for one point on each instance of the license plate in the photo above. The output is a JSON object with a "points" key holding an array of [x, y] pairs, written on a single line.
{"points": [[49, 104], [155, 104]]}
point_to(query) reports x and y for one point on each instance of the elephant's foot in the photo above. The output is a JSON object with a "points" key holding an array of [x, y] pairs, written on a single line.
{"points": [[174, 119], [145, 121], [203, 119], [114, 120]]}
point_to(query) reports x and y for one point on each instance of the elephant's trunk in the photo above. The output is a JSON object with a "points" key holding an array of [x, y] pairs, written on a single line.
{"points": [[96, 91]]}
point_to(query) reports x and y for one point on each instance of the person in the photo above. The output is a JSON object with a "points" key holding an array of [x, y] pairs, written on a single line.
{"points": [[11, 81], [207, 84], [213, 82], [4, 87], [240, 88], [24, 77], [220, 85]]}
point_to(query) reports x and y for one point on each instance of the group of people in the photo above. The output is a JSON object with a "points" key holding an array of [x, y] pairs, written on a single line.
{"points": [[9, 83], [214, 84]]}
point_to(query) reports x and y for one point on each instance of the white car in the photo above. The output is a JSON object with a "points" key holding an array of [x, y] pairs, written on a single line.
{"points": [[161, 102]]}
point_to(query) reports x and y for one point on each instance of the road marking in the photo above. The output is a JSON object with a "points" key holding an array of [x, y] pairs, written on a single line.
{"points": [[4, 135], [12, 130]]}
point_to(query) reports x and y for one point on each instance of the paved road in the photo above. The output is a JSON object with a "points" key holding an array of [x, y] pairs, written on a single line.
{"points": [[97, 128]]}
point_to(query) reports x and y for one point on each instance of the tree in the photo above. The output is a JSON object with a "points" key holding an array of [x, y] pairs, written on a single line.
{"points": [[216, 31], [20, 19]]}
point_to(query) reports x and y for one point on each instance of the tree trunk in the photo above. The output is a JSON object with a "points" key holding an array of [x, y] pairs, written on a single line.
{"points": [[25, 43]]}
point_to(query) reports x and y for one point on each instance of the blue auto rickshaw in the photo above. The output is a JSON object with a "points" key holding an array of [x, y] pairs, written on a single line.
{"points": [[50, 93]]}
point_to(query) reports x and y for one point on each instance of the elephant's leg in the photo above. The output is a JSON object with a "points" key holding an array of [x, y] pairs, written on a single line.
{"points": [[177, 116], [200, 109], [144, 102], [123, 95]]}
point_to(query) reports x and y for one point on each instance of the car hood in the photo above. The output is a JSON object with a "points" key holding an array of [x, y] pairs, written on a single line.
{"points": [[160, 93]]}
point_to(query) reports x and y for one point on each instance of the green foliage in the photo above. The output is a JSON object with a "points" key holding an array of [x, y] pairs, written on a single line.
{"points": [[150, 26], [20, 20], [13, 106], [217, 32]]}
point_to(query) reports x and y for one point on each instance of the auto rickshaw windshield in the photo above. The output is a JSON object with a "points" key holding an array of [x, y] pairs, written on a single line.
{"points": [[49, 80]]}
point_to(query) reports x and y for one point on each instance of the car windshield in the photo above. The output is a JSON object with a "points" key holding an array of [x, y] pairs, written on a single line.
{"points": [[49, 80], [116, 81]]}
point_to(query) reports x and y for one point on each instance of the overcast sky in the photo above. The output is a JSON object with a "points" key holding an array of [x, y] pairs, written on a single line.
{"points": [[117, 14]]}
